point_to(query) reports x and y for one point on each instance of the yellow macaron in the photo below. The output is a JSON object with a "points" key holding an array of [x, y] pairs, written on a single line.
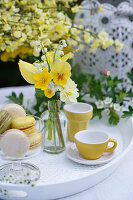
{"points": [[35, 139], [27, 124]]}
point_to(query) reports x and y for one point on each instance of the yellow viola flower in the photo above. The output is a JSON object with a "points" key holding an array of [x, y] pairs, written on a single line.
{"points": [[49, 93], [60, 71], [42, 80]]}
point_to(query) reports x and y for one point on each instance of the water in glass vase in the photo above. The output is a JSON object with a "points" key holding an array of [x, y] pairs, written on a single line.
{"points": [[55, 124]]}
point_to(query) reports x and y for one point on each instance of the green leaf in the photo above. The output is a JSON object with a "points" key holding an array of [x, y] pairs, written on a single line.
{"points": [[121, 96], [130, 93], [113, 117], [21, 98], [97, 112], [128, 113], [39, 93], [130, 76], [15, 99]]}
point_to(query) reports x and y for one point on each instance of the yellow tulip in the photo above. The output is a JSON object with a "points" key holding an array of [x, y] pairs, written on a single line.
{"points": [[67, 56], [27, 71]]}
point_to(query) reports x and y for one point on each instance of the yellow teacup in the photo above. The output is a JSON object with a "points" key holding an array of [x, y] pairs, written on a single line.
{"points": [[78, 117], [92, 144]]}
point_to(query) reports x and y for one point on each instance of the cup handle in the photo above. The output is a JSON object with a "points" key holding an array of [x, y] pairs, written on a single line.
{"points": [[113, 147]]}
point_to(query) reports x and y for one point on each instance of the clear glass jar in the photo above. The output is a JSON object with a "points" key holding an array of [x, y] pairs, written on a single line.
{"points": [[55, 125]]}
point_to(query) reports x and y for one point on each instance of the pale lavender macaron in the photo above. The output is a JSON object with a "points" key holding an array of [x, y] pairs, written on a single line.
{"points": [[15, 110], [14, 143]]}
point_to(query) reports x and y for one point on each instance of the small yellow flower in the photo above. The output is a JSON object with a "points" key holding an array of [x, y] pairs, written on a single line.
{"points": [[94, 46], [43, 79], [60, 71], [49, 93], [101, 9], [17, 34], [118, 46]]}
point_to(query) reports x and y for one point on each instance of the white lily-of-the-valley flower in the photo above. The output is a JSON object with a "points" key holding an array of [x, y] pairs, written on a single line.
{"points": [[60, 52], [38, 50], [63, 43], [44, 50], [37, 43], [117, 107], [99, 104], [43, 57], [107, 100]]}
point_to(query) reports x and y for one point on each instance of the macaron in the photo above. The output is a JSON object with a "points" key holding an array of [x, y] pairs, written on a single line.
{"points": [[35, 139], [26, 124], [14, 143], [5, 121], [15, 110]]}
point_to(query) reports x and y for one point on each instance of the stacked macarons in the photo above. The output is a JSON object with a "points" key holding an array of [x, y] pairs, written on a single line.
{"points": [[18, 131], [27, 124]]}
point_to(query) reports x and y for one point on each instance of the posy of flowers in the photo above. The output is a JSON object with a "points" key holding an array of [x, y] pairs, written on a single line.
{"points": [[52, 74]]}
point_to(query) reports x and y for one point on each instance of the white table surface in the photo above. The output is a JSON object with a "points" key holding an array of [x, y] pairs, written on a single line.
{"points": [[118, 186]]}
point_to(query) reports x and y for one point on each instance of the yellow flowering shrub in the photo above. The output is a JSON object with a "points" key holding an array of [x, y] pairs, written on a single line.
{"points": [[23, 22]]}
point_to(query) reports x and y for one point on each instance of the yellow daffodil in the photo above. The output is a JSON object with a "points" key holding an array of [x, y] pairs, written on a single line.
{"points": [[27, 71], [42, 80], [60, 71]]}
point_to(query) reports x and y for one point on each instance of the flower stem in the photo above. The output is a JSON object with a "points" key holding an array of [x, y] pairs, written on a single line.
{"points": [[58, 127], [54, 133]]}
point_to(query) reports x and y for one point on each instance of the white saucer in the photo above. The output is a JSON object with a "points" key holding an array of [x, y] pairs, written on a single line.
{"points": [[73, 154]]}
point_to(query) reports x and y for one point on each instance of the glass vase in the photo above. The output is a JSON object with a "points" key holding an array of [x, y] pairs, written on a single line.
{"points": [[55, 124]]}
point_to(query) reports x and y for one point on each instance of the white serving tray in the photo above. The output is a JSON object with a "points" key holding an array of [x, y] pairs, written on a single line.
{"points": [[61, 177]]}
